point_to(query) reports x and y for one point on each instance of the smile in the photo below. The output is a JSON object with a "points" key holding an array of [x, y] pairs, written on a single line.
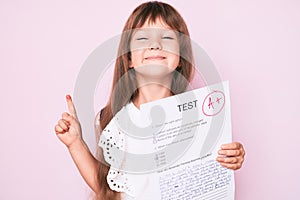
{"points": [[155, 58]]}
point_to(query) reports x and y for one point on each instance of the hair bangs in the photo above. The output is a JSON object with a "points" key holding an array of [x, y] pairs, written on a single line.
{"points": [[150, 13]]}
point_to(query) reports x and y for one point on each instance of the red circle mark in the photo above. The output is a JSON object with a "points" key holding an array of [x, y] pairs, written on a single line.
{"points": [[214, 103]]}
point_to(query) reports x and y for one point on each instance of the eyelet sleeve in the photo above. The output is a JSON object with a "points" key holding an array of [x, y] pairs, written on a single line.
{"points": [[112, 142]]}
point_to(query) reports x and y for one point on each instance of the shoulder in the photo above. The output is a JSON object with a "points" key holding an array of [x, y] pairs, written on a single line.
{"points": [[104, 116]]}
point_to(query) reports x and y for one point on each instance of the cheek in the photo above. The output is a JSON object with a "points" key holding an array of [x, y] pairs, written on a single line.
{"points": [[136, 58], [172, 47], [138, 45], [176, 56], [173, 54], [135, 50], [175, 61]]}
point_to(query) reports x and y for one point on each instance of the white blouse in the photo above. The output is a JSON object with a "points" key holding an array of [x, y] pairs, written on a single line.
{"points": [[132, 186]]}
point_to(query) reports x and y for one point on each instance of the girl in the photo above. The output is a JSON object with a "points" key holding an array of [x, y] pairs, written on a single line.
{"points": [[167, 51]]}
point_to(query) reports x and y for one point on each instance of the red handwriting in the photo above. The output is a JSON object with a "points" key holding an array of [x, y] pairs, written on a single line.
{"points": [[210, 103], [213, 103]]}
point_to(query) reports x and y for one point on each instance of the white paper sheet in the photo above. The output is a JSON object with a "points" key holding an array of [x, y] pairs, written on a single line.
{"points": [[170, 153]]}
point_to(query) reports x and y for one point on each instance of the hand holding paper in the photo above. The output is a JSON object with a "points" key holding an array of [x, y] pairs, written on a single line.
{"points": [[231, 155]]}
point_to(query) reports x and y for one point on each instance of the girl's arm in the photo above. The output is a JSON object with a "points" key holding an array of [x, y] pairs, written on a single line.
{"points": [[86, 164], [68, 130]]}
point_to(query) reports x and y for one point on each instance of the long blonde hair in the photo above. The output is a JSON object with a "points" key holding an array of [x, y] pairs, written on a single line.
{"points": [[126, 91]]}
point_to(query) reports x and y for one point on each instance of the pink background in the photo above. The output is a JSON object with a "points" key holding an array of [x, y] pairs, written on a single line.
{"points": [[254, 44]]}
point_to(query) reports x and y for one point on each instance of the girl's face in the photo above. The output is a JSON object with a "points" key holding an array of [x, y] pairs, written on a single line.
{"points": [[154, 45]]}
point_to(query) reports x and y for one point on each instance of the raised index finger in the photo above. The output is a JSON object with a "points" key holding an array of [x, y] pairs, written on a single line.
{"points": [[71, 106]]}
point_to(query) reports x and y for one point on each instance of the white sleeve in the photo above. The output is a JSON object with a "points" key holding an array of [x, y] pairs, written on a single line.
{"points": [[112, 142]]}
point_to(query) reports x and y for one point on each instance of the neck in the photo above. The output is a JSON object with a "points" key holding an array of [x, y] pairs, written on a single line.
{"points": [[150, 93], [152, 88]]}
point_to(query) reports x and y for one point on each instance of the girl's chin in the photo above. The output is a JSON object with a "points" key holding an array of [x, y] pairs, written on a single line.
{"points": [[153, 71]]}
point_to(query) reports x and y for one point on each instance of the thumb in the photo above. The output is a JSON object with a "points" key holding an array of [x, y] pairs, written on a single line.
{"points": [[71, 106]]}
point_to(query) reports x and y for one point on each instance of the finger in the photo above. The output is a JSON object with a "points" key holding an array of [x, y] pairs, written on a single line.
{"points": [[230, 160], [71, 106], [59, 130], [242, 152], [63, 124], [229, 152], [232, 166], [67, 117], [233, 145]]}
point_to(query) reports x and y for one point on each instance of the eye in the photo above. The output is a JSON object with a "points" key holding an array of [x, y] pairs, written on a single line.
{"points": [[168, 38], [142, 38]]}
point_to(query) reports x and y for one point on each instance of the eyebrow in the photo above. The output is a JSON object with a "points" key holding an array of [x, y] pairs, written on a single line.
{"points": [[169, 31], [139, 31]]}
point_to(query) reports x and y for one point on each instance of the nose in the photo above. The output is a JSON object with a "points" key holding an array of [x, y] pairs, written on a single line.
{"points": [[155, 45]]}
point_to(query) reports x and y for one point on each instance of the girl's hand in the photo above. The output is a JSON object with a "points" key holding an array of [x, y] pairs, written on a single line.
{"points": [[68, 129], [231, 155]]}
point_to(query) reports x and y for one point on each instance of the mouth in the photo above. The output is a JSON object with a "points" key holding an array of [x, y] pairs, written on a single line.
{"points": [[155, 58]]}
